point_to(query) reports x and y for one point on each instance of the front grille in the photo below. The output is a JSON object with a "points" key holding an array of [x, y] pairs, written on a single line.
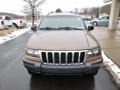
{"points": [[62, 57]]}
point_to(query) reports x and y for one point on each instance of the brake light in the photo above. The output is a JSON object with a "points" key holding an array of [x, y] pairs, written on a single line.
{"points": [[2, 22]]}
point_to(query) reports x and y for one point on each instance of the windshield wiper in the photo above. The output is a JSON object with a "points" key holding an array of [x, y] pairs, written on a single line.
{"points": [[48, 28], [70, 28]]}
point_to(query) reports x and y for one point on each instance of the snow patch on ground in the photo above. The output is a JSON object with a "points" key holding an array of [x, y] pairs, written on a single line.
{"points": [[15, 34], [112, 68]]}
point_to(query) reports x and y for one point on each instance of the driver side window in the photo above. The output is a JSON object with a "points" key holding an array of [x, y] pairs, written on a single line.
{"points": [[7, 18]]}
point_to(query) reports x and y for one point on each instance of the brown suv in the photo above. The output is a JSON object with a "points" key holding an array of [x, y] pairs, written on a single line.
{"points": [[62, 44]]}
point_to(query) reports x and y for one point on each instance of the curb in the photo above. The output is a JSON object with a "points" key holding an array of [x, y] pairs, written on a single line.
{"points": [[13, 35], [112, 68]]}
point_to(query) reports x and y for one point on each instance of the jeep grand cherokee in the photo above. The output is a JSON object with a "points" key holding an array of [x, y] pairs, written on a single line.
{"points": [[62, 44]]}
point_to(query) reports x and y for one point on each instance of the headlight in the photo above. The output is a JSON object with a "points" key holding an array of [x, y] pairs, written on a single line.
{"points": [[31, 52], [93, 52]]}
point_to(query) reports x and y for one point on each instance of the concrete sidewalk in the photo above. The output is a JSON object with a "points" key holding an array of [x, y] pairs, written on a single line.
{"points": [[110, 44], [109, 41]]}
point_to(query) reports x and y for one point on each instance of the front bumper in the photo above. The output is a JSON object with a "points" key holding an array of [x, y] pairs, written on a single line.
{"points": [[5, 26], [40, 68]]}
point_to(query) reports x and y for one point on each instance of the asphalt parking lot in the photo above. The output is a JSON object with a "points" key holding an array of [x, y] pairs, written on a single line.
{"points": [[14, 76]]}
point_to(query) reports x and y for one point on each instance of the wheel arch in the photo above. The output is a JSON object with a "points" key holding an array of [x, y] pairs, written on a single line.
{"points": [[15, 25]]}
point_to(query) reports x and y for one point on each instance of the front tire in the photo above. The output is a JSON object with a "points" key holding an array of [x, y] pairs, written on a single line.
{"points": [[15, 26], [95, 23], [33, 73], [92, 74]]}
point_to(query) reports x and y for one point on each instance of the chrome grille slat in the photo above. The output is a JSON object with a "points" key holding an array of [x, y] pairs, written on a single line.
{"points": [[53, 58], [68, 57], [40, 55], [60, 58], [47, 57], [72, 58], [79, 57]]}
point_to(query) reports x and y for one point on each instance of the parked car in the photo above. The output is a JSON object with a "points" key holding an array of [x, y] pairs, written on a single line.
{"points": [[88, 22], [103, 21], [62, 44], [87, 19], [17, 23], [4, 23]]}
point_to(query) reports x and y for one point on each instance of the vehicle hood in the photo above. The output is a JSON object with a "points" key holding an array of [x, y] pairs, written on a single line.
{"points": [[62, 40]]}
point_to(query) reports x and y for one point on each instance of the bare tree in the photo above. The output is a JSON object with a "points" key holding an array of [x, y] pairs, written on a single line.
{"points": [[32, 8], [58, 10], [95, 11], [106, 9], [85, 11], [76, 10]]}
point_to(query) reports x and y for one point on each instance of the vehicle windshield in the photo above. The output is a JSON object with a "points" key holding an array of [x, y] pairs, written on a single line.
{"points": [[62, 22]]}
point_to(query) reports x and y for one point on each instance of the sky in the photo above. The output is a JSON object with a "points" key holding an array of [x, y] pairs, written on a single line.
{"points": [[16, 6]]}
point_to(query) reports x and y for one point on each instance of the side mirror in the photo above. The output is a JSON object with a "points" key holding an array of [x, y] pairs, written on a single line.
{"points": [[34, 28], [90, 28]]}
